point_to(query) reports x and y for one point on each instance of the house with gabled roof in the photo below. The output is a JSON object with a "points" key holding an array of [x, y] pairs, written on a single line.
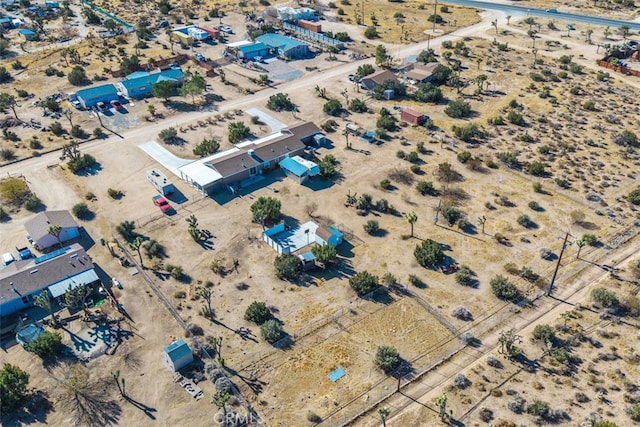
{"points": [[57, 272], [38, 228], [375, 79], [140, 83]]}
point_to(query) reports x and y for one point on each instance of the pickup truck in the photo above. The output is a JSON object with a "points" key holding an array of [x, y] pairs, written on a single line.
{"points": [[162, 203]]}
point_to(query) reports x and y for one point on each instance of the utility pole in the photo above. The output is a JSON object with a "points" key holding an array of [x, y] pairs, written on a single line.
{"points": [[555, 272], [433, 30]]}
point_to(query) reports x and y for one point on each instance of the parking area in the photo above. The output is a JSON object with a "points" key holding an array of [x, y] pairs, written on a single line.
{"points": [[280, 70]]}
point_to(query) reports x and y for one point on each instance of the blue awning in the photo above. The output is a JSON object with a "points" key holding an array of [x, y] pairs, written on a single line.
{"points": [[84, 278]]}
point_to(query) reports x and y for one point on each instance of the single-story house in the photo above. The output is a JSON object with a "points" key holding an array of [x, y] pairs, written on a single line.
{"points": [[411, 116], [284, 46], [89, 97], [23, 280], [287, 240], [177, 355], [328, 236], [29, 35], [247, 160], [250, 51], [140, 83], [375, 79], [38, 228], [421, 73], [299, 169]]}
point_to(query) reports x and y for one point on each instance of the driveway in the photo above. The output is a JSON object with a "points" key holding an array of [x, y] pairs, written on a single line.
{"points": [[275, 125]]}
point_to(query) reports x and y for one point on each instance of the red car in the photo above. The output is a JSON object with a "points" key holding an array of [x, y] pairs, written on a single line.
{"points": [[162, 203], [116, 105]]}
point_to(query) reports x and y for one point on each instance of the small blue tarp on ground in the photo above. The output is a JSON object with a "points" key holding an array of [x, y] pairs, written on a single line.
{"points": [[337, 374]]}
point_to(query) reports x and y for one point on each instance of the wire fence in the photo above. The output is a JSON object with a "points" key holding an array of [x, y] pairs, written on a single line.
{"points": [[201, 349]]}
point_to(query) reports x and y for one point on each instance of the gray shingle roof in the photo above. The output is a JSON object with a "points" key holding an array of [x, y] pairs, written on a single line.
{"points": [[38, 226]]}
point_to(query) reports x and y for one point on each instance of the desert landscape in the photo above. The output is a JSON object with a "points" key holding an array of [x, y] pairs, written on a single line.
{"points": [[489, 267]]}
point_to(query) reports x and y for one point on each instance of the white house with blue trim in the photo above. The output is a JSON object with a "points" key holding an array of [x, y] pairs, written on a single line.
{"points": [[140, 84], [177, 355]]}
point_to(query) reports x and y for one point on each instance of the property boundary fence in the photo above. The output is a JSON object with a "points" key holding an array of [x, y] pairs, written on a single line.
{"points": [[311, 36], [253, 415]]}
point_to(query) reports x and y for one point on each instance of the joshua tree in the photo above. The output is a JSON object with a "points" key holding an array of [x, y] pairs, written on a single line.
{"points": [[55, 231], [411, 218], [136, 245], [507, 341], [508, 19], [588, 33], [384, 413], [43, 300], [532, 34], [495, 24], [69, 115], [220, 399], [607, 32], [535, 57], [345, 133], [566, 315], [482, 220], [581, 243], [441, 403], [206, 294]]}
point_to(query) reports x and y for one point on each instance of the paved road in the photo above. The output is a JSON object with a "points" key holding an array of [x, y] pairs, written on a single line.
{"points": [[523, 10]]}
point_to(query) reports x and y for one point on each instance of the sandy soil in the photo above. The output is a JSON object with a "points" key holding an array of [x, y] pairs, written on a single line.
{"points": [[123, 165]]}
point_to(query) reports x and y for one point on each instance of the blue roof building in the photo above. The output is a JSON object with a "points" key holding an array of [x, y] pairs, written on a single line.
{"points": [[177, 355], [299, 169], [28, 34], [250, 51], [89, 97], [285, 46], [140, 83]]}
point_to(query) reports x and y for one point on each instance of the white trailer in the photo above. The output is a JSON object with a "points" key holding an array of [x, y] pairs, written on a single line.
{"points": [[160, 181]]}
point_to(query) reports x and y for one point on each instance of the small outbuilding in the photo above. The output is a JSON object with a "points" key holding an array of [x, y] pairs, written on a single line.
{"points": [[250, 51], [89, 97], [177, 355], [411, 116], [308, 260], [299, 169], [29, 35], [38, 228], [328, 236]]}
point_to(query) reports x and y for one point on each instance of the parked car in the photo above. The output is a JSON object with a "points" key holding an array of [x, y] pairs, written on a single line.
{"points": [[116, 283], [551, 10], [116, 105], [226, 29], [76, 104], [200, 57], [162, 203]]}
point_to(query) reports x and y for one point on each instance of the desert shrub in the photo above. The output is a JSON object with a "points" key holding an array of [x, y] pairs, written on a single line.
{"points": [[494, 362], [35, 144], [485, 414], [605, 298], [451, 214], [560, 354], [47, 344], [544, 333], [387, 358], [333, 107], [464, 276], [115, 194], [463, 156], [265, 209], [426, 188], [581, 397], [81, 211], [534, 205], [206, 147], [287, 267], [634, 196], [371, 227], [389, 280], [371, 32], [545, 253], [461, 381], [503, 288], [364, 282], [589, 239], [257, 312], [458, 108], [32, 203], [525, 221], [272, 331], [515, 118], [357, 105], [385, 184], [539, 408], [382, 206], [180, 294], [280, 102], [81, 163], [56, 128], [536, 169], [517, 406], [462, 313], [168, 135], [429, 253], [634, 412]]}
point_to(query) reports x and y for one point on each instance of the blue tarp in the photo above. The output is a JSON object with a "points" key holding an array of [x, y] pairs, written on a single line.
{"points": [[337, 374]]}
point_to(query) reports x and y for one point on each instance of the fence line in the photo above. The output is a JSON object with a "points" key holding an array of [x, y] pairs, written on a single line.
{"points": [[200, 348]]}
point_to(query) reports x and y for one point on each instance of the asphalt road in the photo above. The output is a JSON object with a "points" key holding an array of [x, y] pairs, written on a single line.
{"points": [[523, 10]]}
